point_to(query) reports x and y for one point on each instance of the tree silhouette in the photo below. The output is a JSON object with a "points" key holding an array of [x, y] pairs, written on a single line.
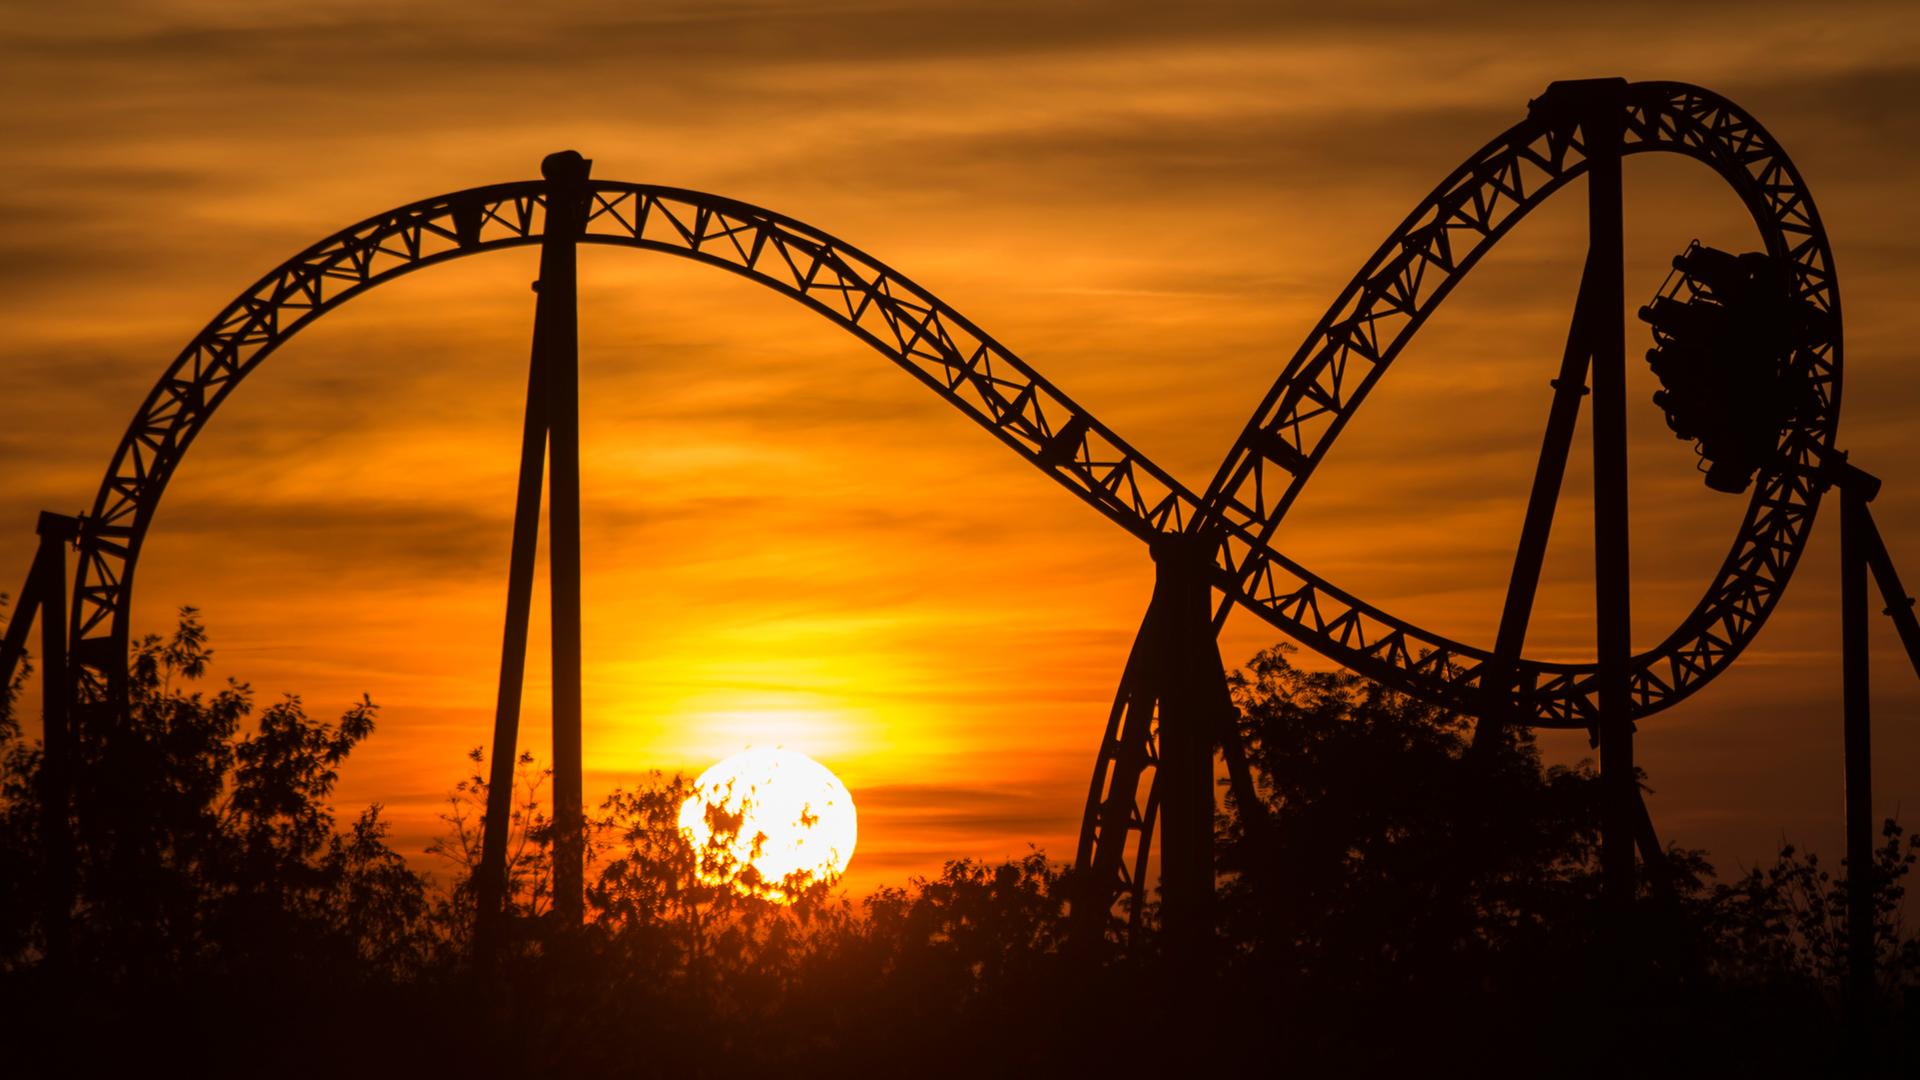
{"points": [[1397, 871], [211, 882], [1403, 902], [529, 858]]}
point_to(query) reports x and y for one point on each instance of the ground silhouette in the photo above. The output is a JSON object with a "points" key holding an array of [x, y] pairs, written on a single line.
{"points": [[1397, 902]]}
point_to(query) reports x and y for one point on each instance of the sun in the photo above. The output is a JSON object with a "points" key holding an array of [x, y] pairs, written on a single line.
{"points": [[770, 822]]}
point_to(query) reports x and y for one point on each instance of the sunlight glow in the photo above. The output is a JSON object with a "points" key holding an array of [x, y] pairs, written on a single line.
{"points": [[770, 822]]}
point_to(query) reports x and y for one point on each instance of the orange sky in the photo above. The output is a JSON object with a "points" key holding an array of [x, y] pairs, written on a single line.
{"points": [[788, 540]]}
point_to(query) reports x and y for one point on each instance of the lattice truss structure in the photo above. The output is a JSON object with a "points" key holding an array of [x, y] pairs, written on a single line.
{"points": [[897, 318], [1347, 353], [1296, 423], [1392, 296]]}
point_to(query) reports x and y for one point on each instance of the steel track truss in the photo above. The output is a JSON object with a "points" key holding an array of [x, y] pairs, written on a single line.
{"points": [[1347, 353], [1233, 523], [876, 304], [1392, 296], [1296, 424]]}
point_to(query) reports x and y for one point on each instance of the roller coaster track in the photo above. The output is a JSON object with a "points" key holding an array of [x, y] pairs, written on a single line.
{"points": [[1324, 383], [1222, 540], [924, 336], [1232, 525], [1320, 388], [1392, 296]]}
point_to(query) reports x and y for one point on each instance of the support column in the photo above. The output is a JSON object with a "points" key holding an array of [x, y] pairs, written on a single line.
{"points": [[1173, 706], [1188, 723], [1602, 124], [1858, 751], [56, 711], [558, 314]]}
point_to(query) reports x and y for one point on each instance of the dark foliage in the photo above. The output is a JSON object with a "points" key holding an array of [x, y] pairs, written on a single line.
{"points": [[1452, 892], [1399, 903]]}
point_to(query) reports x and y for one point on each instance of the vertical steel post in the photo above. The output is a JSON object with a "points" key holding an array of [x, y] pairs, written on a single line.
{"points": [[558, 312], [492, 886], [1858, 756], [56, 711], [1186, 736], [1603, 126]]}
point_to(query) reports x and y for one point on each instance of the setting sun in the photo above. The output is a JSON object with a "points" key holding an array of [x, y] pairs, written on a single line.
{"points": [[770, 822]]}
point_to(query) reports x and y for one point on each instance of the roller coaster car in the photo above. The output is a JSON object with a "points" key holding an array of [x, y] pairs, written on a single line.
{"points": [[1725, 332]]}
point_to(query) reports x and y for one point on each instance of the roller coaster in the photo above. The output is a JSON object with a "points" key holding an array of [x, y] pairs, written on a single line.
{"points": [[1747, 347]]}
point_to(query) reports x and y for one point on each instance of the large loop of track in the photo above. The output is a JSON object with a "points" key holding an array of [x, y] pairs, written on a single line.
{"points": [[1392, 296], [1326, 380]]}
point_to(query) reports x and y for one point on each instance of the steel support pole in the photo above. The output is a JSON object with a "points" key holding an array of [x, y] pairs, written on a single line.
{"points": [[1858, 750], [1173, 707], [1189, 721], [56, 712], [558, 312], [492, 886], [1602, 125]]}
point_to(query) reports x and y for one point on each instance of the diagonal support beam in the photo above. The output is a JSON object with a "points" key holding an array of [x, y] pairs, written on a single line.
{"points": [[1899, 604], [1569, 386], [1239, 775], [1651, 853], [1113, 808], [492, 884], [19, 624]]}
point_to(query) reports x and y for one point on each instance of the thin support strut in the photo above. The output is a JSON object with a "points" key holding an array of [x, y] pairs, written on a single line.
{"points": [[1857, 728], [1568, 388], [19, 624], [1113, 808], [57, 736], [1899, 605], [493, 885]]}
